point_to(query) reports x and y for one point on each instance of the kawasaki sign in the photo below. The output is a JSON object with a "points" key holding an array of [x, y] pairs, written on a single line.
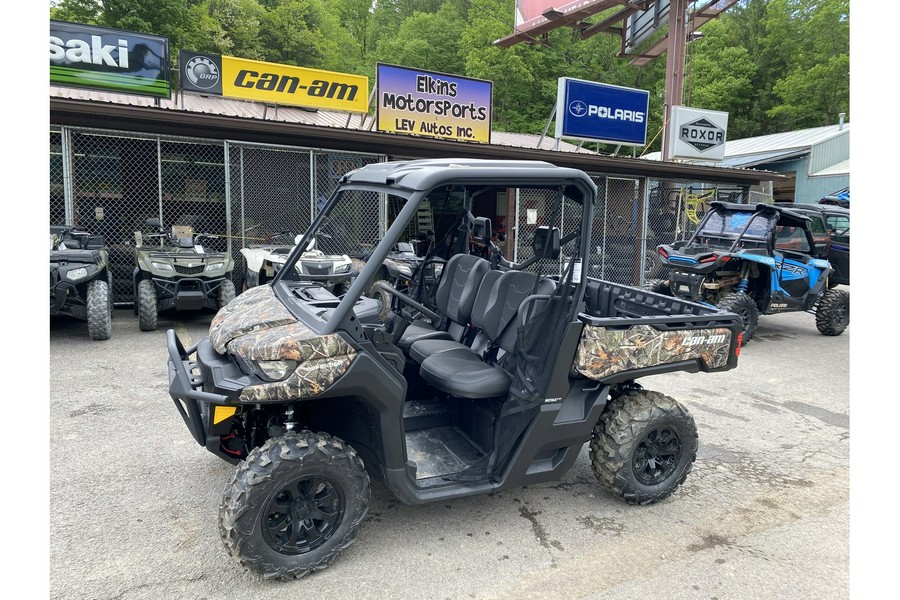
{"points": [[109, 59], [601, 112], [698, 134]]}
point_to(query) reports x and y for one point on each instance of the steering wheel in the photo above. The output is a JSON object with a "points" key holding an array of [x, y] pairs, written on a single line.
{"points": [[430, 286], [405, 299]]}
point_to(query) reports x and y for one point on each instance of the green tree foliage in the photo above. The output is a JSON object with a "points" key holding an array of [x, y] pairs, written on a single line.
{"points": [[426, 41], [773, 65]]}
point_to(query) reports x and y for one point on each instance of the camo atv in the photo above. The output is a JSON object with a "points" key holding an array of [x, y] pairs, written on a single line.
{"points": [[499, 385], [754, 260], [80, 279], [178, 272]]}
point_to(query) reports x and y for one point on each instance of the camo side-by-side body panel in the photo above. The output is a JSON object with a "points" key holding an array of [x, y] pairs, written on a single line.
{"points": [[603, 352], [254, 310], [256, 326]]}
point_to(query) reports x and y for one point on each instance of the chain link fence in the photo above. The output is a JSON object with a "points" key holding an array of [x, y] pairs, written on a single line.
{"points": [[111, 182]]}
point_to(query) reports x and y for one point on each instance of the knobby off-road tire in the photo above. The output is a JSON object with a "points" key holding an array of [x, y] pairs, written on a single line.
{"points": [[294, 504], [744, 306], [341, 288], [227, 293], [99, 310], [146, 304], [833, 312], [659, 286], [643, 446]]}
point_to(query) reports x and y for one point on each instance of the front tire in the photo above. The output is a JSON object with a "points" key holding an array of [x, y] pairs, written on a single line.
{"points": [[146, 303], [227, 293], [833, 312], [743, 305], [294, 504], [99, 310], [643, 446]]}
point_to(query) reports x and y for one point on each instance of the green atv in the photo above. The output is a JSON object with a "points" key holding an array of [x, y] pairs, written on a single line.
{"points": [[80, 279], [178, 273]]}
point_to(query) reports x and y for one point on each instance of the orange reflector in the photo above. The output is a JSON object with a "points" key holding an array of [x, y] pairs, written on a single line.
{"points": [[663, 253], [712, 258], [222, 413], [737, 351]]}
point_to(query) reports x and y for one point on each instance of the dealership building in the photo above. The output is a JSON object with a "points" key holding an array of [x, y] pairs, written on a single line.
{"points": [[232, 161]]}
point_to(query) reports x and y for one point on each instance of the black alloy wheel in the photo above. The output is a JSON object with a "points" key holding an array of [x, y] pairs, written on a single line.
{"points": [[657, 455], [303, 515]]}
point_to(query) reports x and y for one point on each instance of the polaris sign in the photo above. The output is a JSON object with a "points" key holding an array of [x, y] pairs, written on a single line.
{"points": [[599, 112], [696, 134]]}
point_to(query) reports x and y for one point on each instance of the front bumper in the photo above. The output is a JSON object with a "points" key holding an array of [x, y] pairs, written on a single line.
{"points": [[190, 382], [188, 293]]}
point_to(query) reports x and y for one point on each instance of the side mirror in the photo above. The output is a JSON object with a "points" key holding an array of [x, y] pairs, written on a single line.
{"points": [[546, 242], [481, 230]]}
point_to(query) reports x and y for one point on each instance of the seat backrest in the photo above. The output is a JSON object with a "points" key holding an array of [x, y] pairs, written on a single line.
{"points": [[460, 281], [495, 316]]}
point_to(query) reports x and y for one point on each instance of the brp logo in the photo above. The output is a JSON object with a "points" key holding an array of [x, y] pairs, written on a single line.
{"points": [[577, 108], [202, 72]]}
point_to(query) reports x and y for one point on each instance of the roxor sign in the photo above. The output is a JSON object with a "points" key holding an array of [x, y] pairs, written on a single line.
{"points": [[702, 134], [698, 134]]}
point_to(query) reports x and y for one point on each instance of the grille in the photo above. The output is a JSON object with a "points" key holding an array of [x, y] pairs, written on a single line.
{"points": [[313, 269], [183, 270]]}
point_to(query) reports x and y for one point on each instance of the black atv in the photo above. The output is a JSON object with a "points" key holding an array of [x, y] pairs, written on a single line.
{"points": [[754, 260], [174, 270], [80, 279], [499, 385]]}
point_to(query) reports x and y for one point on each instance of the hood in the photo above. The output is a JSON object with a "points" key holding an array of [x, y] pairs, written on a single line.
{"points": [[255, 310]]}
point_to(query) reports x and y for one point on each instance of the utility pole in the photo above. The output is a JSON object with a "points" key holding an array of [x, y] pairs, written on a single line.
{"points": [[674, 67]]}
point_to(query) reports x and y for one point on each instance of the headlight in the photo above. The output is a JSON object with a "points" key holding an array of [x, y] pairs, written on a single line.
{"points": [[162, 266], [275, 370], [342, 268], [214, 266], [76, 274], [404, 270]]}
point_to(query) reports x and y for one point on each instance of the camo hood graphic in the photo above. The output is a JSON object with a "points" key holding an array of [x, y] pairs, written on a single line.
{"points": [[256, 326]]}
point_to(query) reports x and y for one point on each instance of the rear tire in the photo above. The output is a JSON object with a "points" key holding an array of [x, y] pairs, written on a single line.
{"points": [[658, 286], [227, 293], [643, 446], [833, 312], [744, 306], [99, 310], [146, 304], [294, 504]]}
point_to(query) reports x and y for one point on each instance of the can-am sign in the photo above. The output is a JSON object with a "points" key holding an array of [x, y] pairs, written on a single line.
{"points": [[698, 134], [245, 79], [109, 59], [600, 112]]}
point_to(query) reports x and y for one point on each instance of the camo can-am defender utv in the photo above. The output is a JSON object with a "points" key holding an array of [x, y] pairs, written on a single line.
{"points": [[80, 279], [512, 370], [754, 260], [178, 272]]}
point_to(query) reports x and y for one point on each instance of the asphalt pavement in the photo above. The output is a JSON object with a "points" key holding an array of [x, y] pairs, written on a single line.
{"points": [[764, 513]]}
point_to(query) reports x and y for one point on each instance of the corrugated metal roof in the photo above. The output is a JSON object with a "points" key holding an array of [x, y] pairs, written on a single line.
{"points": [[777, 144], [841, 168], [751, 160], [215, 105]]}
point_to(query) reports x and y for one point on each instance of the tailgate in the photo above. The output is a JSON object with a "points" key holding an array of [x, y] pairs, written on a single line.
{"points": [[619, 349]]}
